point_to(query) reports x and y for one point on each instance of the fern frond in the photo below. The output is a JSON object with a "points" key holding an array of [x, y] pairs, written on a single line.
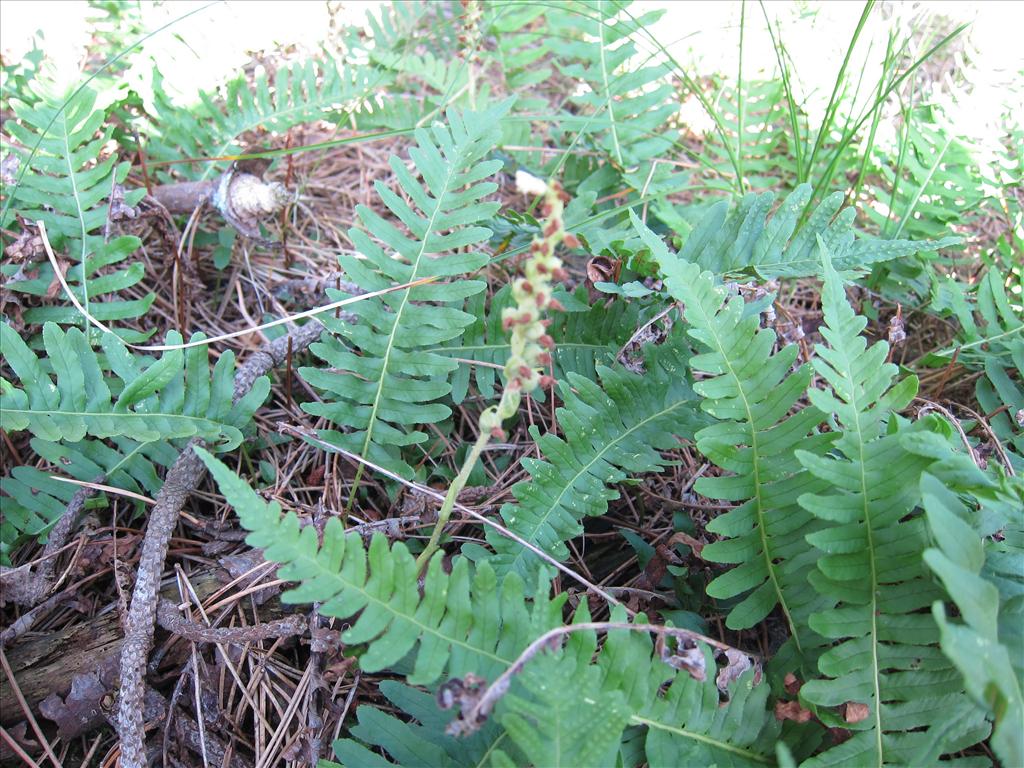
{"points": [[685, 720], [559, 713], [887, 657], [934, 184], [459, 622], [301, 93], [153, 403], [751, 393], [987, 646], [456, 627], [384, 382], [570, 708], [625, 109], [762, 148], [67, 186], [991, 340], [68, 402], [611, 430], [439, 74], [33, 500], [745, 240], [417, 743], [524, 47]]}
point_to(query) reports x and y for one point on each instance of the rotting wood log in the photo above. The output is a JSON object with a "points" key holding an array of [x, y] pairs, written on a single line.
{"points": [[46, 663]]}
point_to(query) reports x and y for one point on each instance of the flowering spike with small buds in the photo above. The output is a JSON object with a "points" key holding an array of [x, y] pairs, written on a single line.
{"points": [[530, 345]]}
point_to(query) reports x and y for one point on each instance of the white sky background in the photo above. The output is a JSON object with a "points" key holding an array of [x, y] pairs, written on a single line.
{"points": [[214, 43]]}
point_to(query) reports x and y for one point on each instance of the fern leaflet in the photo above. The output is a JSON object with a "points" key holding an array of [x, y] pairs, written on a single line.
{"points": [[611, 430], [887, 659], [141, 409], [746, 241], [300, 93], [384, 381], [65, 187], [987, 647], [750, 391], [460, 622]]}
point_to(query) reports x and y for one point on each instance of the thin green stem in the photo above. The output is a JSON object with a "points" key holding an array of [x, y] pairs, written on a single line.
{"points": [[453, 494], [833, 101], [739, 103], [791, 105], [887, 66]]}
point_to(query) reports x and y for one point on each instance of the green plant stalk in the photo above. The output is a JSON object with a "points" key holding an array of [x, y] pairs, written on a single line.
{"points": [[453, 494], [848, 136], [740, 103], [833, 102], [888, 61], [791, 106]]}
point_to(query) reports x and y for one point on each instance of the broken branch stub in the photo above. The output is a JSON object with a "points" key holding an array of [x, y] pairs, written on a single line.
{"points": [[242, 198]]}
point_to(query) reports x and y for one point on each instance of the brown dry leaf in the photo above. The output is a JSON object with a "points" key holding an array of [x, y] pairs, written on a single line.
{"points": [[737, 663], [657, 566], [791, 710], [601, 269], [687, 655], [54, 288], [684, 538], [28, 246], [792, 683], [854, 711]]}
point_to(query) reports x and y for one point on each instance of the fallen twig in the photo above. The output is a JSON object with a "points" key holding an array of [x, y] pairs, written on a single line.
{"points": [[477, 707], [168, 617], [182, 478]]}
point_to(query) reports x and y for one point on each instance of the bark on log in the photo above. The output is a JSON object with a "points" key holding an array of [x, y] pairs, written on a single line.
{"points": [[47, 663], [185, 196]]}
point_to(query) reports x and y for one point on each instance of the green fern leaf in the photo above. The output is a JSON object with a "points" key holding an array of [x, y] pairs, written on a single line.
{"points": [[66, 186], [461, 622], [78, 402], [762, 148], [751, 392], [987, 647], [611, 430], [90, 424], [421, 742], [685, 720], [383, 381], [626, 109], [991, 340], [570, 708], [301, 93], [935, 182], [871, 571], [688, 726], [558, 713], [745, 241]]}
